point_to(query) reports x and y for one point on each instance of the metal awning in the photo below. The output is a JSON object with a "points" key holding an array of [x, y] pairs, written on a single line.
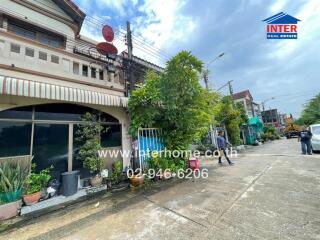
{"points": [[28, 88]]}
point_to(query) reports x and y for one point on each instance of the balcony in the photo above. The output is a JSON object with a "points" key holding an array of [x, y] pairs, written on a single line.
{"points": [[81, 65]]}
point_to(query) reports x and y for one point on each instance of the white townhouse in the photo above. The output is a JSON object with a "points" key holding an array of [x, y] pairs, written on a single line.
{"points": [[49, 77]]}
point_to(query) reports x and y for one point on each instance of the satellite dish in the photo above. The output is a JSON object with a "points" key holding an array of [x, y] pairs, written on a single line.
{"points": [[106, 48], [107, 33]]}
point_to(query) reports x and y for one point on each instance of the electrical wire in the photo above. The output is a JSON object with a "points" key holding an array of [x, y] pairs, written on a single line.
{"points": [[71, 41]]}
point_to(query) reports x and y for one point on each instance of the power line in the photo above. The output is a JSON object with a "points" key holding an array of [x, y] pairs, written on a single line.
{"points": [[78, 42]]}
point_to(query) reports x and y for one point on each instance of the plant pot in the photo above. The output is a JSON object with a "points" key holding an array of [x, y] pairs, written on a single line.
{"points": [[8, 197], [10, 210], [119, 187], [31, 199], [136, 180], [96, 181]]}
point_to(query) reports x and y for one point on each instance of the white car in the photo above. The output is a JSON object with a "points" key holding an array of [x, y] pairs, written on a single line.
{"points": [[315, 141]]}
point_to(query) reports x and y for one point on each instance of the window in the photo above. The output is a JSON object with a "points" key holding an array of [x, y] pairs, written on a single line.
{"points": [[15, 48], [35, 33], [85, 70], [51, 147], [75, 68], [21, 31], [111, 136], [54, 59], [50, 40], [93, 72], [101, 74], [17, 113], [14, 139], [29, 52], [43, 56]]}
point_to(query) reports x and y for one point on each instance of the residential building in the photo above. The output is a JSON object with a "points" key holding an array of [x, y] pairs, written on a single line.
{"points": [[245, 98], [271, 117], [49, 77]]}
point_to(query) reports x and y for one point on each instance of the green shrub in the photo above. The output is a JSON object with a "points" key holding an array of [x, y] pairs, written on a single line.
{"points": [[35, 182], [116, 172]]}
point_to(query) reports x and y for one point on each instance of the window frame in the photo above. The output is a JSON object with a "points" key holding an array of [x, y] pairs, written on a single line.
{"points": [[39, 32], [29, 49], [12, 45]]}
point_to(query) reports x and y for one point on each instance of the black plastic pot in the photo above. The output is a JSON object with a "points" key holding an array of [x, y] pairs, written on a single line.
{"points": [[69, 183]]}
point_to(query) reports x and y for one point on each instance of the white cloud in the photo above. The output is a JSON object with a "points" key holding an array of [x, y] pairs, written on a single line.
{"points": [[162, 25], [278, 6], [118, 5]]}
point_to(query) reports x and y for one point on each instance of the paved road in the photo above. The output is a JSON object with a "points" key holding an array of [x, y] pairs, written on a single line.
{"points": [[272, 192]]}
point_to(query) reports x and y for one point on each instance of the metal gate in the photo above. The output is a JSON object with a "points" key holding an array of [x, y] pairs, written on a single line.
{"points": [[149, 139]]}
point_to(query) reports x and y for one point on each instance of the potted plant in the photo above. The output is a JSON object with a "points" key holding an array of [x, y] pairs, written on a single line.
{"points": [[12, 177], [117, 177], [137, 179], [88, 135], [35, 182]]}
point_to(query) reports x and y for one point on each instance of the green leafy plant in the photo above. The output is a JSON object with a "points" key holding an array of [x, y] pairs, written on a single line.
{"points": [[116, 172], [229, 117], [12, 176], [88, 135], [311, 114], [35, 182], [175, 102]]}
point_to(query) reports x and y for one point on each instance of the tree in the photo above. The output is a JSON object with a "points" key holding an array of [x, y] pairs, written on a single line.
{"points": [[243, 115], [175, 102], [226, 115], [311, 113]]}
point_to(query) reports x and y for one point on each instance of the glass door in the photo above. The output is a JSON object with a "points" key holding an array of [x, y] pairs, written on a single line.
{"points": [[51, 147]]}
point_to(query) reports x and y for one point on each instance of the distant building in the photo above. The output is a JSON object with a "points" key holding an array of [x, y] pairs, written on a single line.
{"points": [[245, 98], [271, 117]]}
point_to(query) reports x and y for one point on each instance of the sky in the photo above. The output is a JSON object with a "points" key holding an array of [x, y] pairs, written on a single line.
{"points": [[286, 70]]}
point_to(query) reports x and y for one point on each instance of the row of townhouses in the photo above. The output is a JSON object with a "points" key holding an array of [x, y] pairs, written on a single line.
{"points": [[50, 76]]}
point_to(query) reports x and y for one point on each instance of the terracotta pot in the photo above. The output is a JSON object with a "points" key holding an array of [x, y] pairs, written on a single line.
{"points": [[10, 210], [136, 180], [31, 198], [96, 181]]}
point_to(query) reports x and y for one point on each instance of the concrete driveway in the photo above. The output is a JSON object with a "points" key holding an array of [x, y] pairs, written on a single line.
{"points": [[272, 192]]}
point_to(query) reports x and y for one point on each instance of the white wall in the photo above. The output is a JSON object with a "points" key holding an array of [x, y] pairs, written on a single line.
{"points": [[50, 6]]}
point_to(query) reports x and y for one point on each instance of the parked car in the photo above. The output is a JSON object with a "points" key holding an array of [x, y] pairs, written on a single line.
{"points": [[315, 141]]}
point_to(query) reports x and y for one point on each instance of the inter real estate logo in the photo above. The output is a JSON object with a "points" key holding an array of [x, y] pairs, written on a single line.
{"points": [[282, 26]]}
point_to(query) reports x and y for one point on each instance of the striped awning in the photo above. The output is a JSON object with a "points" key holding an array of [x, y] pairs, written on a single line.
{"points": [[28, 88]]}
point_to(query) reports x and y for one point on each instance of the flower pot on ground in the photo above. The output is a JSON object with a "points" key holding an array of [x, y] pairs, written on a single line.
{"points": [[96, 180], [9, 210], [30, 199], [35, 182], [136, 180]]}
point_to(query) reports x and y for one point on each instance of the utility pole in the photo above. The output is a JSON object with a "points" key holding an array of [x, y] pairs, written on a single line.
{"points": [[129, 45], [230, 88], [206, 78], [206, 82]]}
